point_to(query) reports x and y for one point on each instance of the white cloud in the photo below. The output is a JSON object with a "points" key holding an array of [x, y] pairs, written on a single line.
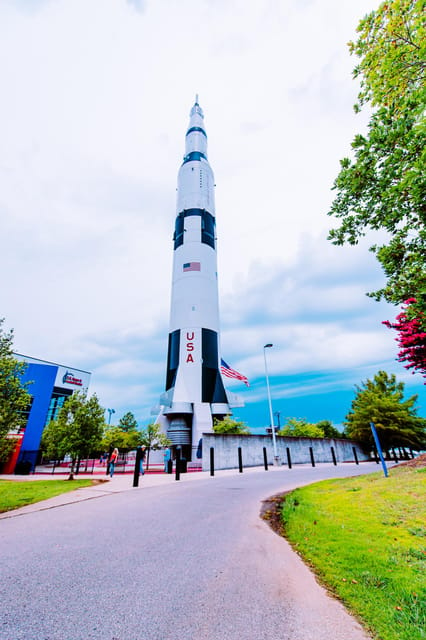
{"points": [[95, 105]]}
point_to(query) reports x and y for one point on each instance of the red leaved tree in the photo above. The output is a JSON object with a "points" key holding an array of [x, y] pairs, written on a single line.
{"points": [[411, 327]]}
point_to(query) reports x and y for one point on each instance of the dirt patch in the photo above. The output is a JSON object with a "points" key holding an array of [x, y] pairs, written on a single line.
{"points": [[270, 511], [416, 463]]}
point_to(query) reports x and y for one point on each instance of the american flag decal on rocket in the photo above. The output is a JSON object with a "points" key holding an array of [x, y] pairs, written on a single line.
{"points": [[192, 266]]}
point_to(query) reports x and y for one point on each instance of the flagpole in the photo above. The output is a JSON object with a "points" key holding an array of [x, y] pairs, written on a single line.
{"points": [[271, 415]]}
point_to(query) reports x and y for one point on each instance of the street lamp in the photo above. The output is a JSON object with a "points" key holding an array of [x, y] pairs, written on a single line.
{"points": [[271, 415], [110, 411]]}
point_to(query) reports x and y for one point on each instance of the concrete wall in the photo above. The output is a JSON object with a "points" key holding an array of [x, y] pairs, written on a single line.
{"points": [[226, 450]]}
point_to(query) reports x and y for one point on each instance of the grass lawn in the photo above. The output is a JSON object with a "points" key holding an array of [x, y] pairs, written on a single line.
{"points": [[364, 538], [15, 494]]}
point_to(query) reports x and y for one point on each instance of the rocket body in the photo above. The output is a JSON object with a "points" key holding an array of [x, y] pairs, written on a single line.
{"points": [[195, 392]]}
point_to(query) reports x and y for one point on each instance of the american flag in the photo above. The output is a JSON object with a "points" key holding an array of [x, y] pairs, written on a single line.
{"points": [[192, 266], [231, 373]]}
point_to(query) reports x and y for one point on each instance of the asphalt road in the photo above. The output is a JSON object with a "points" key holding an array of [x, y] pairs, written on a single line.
{"points": [[177, 561]]}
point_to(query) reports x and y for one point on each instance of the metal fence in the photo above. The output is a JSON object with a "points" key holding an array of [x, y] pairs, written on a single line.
{"points": [[34, 462]]}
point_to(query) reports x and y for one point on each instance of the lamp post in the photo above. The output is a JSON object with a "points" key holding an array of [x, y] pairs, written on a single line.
{"points": [[271, 415], [110, 411]]}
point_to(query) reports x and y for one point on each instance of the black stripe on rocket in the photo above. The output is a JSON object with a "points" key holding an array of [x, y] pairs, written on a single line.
{"points": [[208, 227], [212, 389], [196, 129]]}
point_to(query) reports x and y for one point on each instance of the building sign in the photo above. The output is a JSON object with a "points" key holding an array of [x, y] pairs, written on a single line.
{"points": [[68, 378], [72, 378]]}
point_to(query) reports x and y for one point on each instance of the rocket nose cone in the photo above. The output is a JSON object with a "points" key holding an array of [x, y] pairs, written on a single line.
{"points": [[196, 109]]}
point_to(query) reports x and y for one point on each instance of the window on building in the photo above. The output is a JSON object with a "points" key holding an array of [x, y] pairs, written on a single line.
{"points": [[57, 402]]}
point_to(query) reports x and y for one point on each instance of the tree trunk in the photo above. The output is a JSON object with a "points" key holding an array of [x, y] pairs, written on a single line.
{"points": [[71, 476]]}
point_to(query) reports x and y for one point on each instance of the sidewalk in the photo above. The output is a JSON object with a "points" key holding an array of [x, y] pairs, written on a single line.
{"points": [[107, 486]]}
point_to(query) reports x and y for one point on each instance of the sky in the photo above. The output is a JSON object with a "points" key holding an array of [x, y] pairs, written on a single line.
{"points": [[95, 104]]}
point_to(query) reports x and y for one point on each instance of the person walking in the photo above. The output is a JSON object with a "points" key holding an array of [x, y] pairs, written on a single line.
{"points": [[143, 454], [112, 461]]}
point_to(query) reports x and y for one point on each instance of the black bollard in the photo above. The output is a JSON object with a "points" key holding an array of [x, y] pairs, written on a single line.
{"points": [[288, 457], [355, 456], [333, 455], [137, 469], [211, 461], [265, 459], [311, 453], [240, 460], [376, 457], [177, 477]]}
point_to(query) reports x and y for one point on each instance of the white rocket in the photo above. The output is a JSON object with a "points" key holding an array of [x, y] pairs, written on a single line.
{"points": [[195, 392]]}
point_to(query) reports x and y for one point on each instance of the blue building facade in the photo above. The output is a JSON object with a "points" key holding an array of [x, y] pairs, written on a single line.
{"points": [[51, 384]]}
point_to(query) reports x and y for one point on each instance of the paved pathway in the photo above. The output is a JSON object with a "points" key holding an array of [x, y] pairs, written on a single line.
{"points": [[165, 561]]}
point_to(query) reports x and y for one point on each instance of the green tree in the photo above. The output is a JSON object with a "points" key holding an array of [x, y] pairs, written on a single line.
{"points": [[384, 186], [123, 436], [153, 438], [114, 436], [382, 402], [229, 425], [14, 396], [77, 431], [299, 427], [329, 429], [128, 422]]}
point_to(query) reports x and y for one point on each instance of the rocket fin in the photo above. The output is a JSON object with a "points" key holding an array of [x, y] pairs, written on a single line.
{"points": [[202, 420], [234, 400]]}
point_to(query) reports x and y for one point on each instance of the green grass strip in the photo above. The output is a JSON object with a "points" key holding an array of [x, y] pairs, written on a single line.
{"points": [[364, 537], [15, 494]]}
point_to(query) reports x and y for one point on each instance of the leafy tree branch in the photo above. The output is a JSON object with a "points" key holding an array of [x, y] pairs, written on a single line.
{"points": [[383, 186], [14, 395]]}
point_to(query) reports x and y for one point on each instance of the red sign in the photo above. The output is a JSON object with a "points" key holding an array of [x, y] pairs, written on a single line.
{"points": [[69, 379], [189, 346]]}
